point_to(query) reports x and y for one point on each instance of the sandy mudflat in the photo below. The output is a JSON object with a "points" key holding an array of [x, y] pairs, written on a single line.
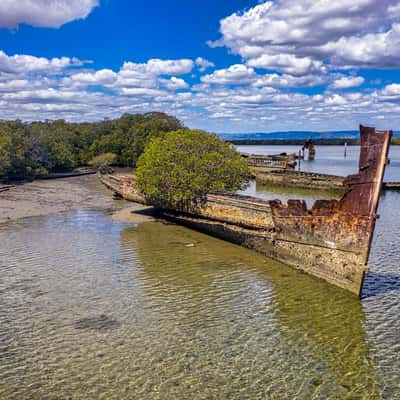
{"points": [[43, 197]]}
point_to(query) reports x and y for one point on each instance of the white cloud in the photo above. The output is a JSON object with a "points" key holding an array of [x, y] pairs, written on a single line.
{"points": [[285, 80], [203, 64], [43, 13], [239, 74], [236, 74], [174, 83], [372, 50], [13, 85], [148, 75], [234, 98], [101, 77], [21, 63], [306, 36], [136, 75], [287, 63], [335, 100], [346, 82], [170, 67], [141, 92], [391, 91]]}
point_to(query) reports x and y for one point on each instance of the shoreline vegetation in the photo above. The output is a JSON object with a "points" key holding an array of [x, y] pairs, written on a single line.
{"points": [[35, 149]]}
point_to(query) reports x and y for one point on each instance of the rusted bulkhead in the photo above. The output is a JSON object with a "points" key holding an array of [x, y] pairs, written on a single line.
{"points": [[331, 240]]}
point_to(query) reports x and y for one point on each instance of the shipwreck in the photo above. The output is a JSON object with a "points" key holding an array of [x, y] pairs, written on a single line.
{"points": [[331, 240]]}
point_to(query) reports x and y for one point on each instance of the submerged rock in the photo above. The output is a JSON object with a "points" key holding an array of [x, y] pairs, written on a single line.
{"points": [[101, 322]]}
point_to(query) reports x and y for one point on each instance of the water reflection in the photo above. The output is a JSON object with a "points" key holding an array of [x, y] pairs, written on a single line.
{"points": [[305, 337]]}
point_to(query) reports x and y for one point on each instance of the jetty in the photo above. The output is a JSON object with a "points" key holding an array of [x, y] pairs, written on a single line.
{"points": [[331, 240]]}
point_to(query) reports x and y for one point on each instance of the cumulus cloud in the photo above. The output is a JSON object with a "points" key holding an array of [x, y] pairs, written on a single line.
{"points": [[149, 75], [170, 67], [306, 36], [13, 85], [174, 83], [203, 64], [347, 82], [21, 63], [239, 74], [236, 74], [285, 80], [234, 98], [43, 13], [391, 91], [101, 77], [142, 92]]}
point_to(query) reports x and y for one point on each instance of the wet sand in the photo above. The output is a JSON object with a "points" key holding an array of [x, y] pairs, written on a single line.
{"points": [[45, 197]]}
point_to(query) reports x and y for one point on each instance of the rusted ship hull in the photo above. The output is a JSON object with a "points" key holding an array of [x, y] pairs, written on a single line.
{"points": [[308, 180], [330, 241], [298, 179], [265, 163]]}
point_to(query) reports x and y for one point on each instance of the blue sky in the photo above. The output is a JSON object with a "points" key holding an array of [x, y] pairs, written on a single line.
{"points": [[237, 66]]}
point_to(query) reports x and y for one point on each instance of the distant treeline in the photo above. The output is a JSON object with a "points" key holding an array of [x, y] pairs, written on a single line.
{"points": [[300, 142], [38, 148], [294, 142]]}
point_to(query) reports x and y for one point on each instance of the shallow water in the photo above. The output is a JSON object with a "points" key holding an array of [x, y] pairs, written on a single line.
{"points": [[330, 159], [95, 309]]}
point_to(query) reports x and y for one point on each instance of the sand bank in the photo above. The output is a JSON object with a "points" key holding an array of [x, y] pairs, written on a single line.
{"points": [[44, 197]]}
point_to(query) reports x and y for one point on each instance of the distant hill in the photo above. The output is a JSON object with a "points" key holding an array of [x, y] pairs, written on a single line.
{"points": [[292, 135]]}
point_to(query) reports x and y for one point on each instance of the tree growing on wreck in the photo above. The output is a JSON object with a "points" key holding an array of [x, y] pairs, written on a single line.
{"points": [[180, 168]]}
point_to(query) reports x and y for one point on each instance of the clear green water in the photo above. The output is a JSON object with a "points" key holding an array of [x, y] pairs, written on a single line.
{"points": [[94, 309]]}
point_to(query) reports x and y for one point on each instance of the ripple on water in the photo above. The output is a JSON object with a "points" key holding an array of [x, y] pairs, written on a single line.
{"points": [[93, 309]]}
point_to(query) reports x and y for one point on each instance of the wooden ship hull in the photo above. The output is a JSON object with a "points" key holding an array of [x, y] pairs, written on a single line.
{"points": [[330, 241]]}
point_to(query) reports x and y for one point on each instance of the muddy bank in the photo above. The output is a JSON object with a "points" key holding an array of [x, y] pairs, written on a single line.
{"points": [[44, 197]]}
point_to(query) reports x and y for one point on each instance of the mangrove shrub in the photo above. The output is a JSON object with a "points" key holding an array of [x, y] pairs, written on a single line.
{"points": [[180, 168]]}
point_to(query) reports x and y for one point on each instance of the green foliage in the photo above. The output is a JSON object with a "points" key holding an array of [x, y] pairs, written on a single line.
{"points": [[38, 148], [101, 160], [180, 168], [12, 152]]}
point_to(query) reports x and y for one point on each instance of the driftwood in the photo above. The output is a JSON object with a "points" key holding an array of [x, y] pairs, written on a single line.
{"points": [[4, 188]]}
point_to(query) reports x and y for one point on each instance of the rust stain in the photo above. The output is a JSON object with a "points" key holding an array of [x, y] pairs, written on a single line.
{"points": [[347, 223]]}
